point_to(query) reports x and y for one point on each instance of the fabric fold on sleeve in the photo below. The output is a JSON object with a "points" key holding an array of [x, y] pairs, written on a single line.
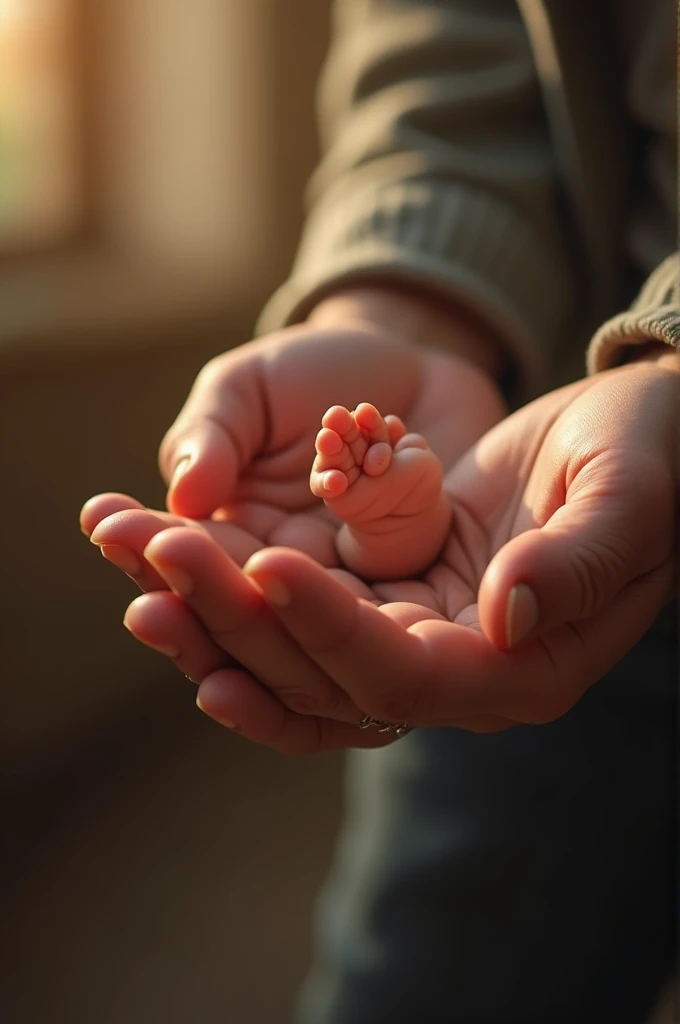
{"points": [[438, 171], [465, 244], [654, 316]]}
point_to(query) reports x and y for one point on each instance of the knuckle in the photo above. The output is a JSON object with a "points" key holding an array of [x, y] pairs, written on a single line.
{"points": [[595, 572], [212, 370]]}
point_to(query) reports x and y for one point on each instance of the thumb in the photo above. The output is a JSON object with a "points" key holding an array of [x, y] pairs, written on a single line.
{"points": [[611, 530], [215, 436], [201, 464]]}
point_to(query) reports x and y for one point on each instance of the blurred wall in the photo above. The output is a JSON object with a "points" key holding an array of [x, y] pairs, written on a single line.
{"points": [[156, 868]]}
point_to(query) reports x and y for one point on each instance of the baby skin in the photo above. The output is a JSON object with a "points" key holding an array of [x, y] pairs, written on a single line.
{"points": [[386, 486]]}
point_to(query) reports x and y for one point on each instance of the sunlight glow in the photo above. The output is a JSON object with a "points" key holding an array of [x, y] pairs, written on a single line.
{"points": [[38, 186]]}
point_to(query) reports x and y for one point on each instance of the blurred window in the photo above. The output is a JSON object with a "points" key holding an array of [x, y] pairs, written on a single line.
{"points": [[149, 150], [40, 179]]}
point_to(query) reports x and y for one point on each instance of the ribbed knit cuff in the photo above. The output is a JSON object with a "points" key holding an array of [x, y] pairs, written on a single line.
{"points": [[654, 316], [467, 245]]}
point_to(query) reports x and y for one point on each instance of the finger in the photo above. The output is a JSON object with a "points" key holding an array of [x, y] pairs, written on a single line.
{"points": [[123, 537], [410, 614], [412, 441], [233, 612], [544, 677], [370, 656], [235, 700], [101, 506], [572, 568], [201, 464], [453, 674], [214, 438], [165, 623]]}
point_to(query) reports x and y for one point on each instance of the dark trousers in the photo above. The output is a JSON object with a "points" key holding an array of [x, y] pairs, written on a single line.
{"points": [[525, 877]]}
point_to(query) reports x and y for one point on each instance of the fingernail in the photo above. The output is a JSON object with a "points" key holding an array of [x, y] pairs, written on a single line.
{"points": [[521, 614], [169, 652], [274, 590], [122, 557], [226, 722], [180, 469]]}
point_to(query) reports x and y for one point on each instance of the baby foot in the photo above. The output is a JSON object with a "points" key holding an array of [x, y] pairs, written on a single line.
{"points": [[385, 484]]}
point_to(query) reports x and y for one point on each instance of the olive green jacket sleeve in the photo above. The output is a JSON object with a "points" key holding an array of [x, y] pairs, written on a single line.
{"points": [[438, 170], [653, 317]]}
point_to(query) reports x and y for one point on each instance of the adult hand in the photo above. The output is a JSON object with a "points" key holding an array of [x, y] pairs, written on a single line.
{"points": [[242, 447], [561, 556], [245, 436], [248, 432]]}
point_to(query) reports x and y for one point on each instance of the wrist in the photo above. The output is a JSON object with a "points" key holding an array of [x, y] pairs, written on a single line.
{"points": [[418, 317], [656, 352]]}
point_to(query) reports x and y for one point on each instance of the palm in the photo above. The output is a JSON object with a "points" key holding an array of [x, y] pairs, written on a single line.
{"points": [[569, 460], [262, 406], [561, 456], [453, 405], [497, 493], [493, 495]]}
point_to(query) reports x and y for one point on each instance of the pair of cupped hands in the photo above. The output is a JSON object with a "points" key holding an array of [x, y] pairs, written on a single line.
{"points": [[560, 555]]}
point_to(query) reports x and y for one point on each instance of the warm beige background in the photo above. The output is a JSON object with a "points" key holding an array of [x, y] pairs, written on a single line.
{"points": [[155, 867]]}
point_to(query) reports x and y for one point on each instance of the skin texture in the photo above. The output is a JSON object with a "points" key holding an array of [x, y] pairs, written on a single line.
{"points": [[296, 650]]}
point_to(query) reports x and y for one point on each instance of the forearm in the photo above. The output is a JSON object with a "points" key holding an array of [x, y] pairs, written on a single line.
{"points": [[416, 191]]}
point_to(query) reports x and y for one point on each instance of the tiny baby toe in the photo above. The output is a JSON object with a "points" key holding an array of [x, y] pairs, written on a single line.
{"points": [[370, 423], [328, 442], [367, 416], [327, 483], [337, 418], [377, 459], [333, 482], [411, 441]]}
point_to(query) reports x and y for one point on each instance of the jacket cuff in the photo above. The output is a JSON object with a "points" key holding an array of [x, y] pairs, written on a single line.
{"points": [[654, 316], [467, 245]]}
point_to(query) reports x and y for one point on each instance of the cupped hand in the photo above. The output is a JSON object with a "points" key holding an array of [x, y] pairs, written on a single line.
{"points": [[571, 501], [248, 431], [245, 436], [241, 449], [560, 557]]}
